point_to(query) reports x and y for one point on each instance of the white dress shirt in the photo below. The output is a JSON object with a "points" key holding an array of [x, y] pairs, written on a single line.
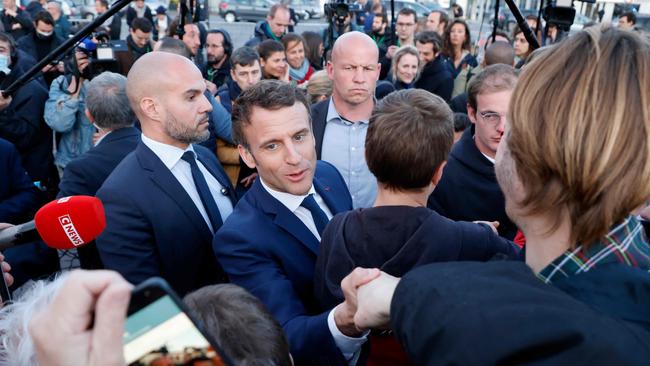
{"points": [[348, 346], [171, 157]]}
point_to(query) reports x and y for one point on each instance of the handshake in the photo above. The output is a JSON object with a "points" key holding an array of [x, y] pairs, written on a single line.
{"points": [[368, 295]]}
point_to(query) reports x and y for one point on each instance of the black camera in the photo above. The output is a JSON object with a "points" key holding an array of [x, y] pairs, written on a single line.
{"points": [[101, 55], [337, 10]]}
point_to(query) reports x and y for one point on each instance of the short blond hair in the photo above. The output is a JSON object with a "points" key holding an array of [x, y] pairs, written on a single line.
{"points": [[579, 130]]}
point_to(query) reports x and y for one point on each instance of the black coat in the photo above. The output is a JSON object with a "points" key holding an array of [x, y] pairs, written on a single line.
{"points": [[436, 78], [319, 122], [131, 14], [468, 189], [22, 18], [397, 239], [500, 313]]}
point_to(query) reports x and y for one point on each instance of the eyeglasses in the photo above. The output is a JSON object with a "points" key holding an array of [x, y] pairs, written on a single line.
{"points": [[405, 25], [491, 118]]}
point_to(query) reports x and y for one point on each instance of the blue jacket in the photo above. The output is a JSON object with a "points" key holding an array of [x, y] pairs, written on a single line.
{"points": [[153, 227], [66, 114], [18, 195], [267, 250]]}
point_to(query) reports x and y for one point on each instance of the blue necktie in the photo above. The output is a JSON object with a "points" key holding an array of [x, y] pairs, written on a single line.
{"points": [[204, 192], [319, 216]]}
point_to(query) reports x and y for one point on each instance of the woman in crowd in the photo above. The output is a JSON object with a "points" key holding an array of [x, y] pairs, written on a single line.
{"points": [[314, 49], [300, 69], [273, 60], [457, 46], [405, 67], [319, 87], [522, 48]]}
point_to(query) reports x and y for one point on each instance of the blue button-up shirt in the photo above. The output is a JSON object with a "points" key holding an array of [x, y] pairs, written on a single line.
{"points": [[344, 147]]}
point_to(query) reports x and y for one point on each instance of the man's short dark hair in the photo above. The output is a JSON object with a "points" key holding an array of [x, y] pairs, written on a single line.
{"points": [[241, 325], [269, 47], [9, 39], [104, 3], [409, 136], [430, 37], [499, 52], [244, 56], [175, 46], [493, 79], [267, 94], [461, 122], [408, 12], [631, 17], [44, 17], [142, 24], [383, 16]]}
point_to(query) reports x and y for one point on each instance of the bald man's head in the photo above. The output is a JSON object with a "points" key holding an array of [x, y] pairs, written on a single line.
{"points": [[165, 91], [499, 53], [352, 41]]}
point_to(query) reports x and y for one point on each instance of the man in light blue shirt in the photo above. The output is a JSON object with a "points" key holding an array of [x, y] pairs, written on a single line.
{"points": [[340, 123]]}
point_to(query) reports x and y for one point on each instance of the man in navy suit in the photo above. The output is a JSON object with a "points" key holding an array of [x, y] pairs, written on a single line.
{"points": [[165, 200], [270, 242], [107, 108]]}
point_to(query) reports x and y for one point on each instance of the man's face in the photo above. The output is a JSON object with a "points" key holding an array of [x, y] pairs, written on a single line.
{"points": [[295, 54], [378, 25], [279, 23], [5, 49], [9, 4], [433, 21], [246, 76], [54, 11], [44, 28], [275, 66], [140, 38], [139, 3], [405, 26], [354, 73], [99, 7], [214, 48], [426, 52], [186, 107], [489, 119], [191, 38], [624, 23], [282, 148]]}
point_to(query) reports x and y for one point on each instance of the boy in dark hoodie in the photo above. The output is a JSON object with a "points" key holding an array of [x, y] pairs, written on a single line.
{"points": [[409, 137]]}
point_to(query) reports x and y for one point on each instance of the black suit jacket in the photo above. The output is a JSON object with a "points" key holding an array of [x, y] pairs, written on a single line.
{"points": [[85, 174], [319, 122], [153, 228]]}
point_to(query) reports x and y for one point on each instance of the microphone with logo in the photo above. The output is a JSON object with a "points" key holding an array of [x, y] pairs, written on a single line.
{"points": [[66, 223]]}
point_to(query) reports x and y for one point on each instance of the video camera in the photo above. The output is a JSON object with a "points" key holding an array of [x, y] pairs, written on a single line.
{"points": [[101, 55], [561, 13], [337, 10]]}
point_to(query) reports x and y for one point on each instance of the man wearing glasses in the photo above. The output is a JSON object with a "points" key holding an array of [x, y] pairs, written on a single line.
{"points": [[468, 190]]}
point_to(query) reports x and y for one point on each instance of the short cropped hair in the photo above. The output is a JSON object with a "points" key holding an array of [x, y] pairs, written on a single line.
{"points": [[492, 79], [499, 52], [269, 47], [267, 94], [383, 15], [244, 56], [580, 139], [430, 37], [107, 102], [444, 17], [104, 3], [408, 12], [631, 17], [16, 345], [240, 323], [461, 122], [274, 9], [175, 46], [44, 17], [409, 136], [142, 24]]}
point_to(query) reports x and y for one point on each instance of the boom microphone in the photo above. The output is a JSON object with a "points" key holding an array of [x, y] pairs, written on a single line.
{"points": [[65, 223]]}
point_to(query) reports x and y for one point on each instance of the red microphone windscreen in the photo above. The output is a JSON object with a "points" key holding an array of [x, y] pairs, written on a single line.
{"points": [[69, 222]]}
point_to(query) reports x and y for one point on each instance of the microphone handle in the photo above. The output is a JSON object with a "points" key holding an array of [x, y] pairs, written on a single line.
{"points": [[19, 234]]}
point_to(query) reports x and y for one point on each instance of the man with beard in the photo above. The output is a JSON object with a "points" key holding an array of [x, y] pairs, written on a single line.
{"points": [[40, 41], [165, 200], [138, 43], [219, 49]]}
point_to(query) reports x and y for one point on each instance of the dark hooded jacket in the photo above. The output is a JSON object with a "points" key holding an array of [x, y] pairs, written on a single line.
{"points": [[436, 77], [397, 239], [468, 189]]}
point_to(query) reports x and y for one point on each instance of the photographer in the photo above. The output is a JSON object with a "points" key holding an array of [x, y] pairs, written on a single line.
{"points": [[339, 16], [138, 43], [65, 112]]}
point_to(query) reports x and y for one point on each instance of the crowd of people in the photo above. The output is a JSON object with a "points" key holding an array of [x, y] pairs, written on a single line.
{"points": [[302, 191]]}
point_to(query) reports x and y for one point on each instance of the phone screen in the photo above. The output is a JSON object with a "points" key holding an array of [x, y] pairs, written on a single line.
{"points": [[162, 334]]}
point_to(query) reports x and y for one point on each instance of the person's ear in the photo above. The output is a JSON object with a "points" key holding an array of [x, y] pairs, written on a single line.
{"points": [[471, 113], [151, 109], [89, 116], [246, 156], [438, 174]]}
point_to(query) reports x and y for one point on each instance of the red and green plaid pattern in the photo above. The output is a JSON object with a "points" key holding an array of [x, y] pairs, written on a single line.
{"points": [[626, 243]]}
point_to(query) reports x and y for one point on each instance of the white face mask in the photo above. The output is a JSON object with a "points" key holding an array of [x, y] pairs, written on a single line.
{"points": [[44, 34], [4, 64]]}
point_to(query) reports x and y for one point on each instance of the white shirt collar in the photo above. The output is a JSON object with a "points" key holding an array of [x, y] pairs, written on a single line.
{"points": [[292, 202], [170, 155]]}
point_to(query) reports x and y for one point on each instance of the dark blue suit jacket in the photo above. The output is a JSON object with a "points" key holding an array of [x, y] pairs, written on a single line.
{"points": [[153, 227], [85, 174], [18, 195], [266, 249]]}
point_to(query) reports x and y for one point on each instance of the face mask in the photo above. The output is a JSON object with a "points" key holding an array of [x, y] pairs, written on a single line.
{"points": [[44, 35], [4, 64]]}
